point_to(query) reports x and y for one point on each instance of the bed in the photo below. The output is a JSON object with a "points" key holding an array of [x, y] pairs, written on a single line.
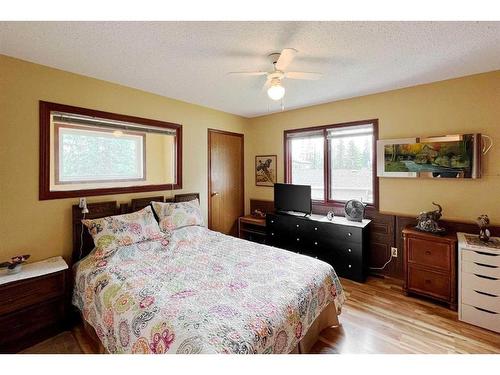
{"points": [[200, 291]]}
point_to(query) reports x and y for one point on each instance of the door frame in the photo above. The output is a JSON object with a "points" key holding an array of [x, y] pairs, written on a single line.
{"points": [[209, 197]]}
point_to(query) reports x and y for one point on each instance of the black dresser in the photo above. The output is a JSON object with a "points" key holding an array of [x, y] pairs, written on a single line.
{"points": [[342, 243]]}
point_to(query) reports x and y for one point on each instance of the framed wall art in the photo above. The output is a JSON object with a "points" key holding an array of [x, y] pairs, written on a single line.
{"points": [[265, 170]]}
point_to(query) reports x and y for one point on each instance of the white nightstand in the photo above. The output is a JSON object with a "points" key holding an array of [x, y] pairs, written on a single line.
{"points": [[478, 282]]}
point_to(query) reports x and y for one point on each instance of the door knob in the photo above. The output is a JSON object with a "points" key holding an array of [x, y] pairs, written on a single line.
{"points": [[214, 194]]}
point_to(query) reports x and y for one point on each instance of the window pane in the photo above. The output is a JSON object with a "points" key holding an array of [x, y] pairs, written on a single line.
{"points": [[92, 155], [351, 156], [307, 164]]}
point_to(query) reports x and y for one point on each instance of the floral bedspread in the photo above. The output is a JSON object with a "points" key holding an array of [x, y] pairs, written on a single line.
{"points": [[203, 292]]}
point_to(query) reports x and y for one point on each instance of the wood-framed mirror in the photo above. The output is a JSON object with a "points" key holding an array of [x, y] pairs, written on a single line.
{"points": [[86, 152]]}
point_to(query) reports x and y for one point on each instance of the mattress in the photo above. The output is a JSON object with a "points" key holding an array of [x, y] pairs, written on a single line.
{"points": [[203, 292]]}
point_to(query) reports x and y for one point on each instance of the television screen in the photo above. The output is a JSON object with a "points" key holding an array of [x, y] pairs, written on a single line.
{"points": [[288, 197]]}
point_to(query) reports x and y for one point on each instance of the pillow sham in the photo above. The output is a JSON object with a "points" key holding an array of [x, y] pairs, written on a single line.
{"points": [[111, 232], [178, 215]]}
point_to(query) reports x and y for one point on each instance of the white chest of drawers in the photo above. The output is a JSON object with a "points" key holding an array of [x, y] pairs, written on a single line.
{"points": [[478, 284]]}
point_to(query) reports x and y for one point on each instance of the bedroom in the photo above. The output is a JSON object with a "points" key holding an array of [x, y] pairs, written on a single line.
{"points": [[314, 122]]}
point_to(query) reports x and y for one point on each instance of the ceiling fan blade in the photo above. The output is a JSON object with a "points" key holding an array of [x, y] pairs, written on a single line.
{"points": [[303, 75], [285, 58], [248, 73]]}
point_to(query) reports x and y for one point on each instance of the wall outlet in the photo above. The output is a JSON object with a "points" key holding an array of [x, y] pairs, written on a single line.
{"points": [[83, 202], [394, 252]]}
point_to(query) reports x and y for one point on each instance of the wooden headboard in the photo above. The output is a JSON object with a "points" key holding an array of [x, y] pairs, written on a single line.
{"points": [[83, 242]]}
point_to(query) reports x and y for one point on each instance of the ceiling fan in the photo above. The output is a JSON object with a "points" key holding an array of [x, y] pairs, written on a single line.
{"points": [[280, 61]]}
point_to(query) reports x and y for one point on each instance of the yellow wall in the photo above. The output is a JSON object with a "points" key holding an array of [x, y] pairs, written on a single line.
{"points": [[465, 105], [43, 228]]}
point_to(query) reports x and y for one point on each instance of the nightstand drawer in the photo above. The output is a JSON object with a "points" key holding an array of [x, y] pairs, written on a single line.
{"points": [[487, 301], [17, 295], [481, 269], [428, 282], [432, 254], [481, 317]]}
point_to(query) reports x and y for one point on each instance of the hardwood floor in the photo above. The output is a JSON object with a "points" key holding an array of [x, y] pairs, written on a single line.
{"points": [[377, 318]]}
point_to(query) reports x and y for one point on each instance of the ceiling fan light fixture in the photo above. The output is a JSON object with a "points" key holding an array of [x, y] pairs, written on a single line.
{"points": [[276, 91]]}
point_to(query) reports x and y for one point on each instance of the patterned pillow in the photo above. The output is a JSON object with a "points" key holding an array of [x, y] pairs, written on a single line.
{"points": [[177, 215], [109, 233]]}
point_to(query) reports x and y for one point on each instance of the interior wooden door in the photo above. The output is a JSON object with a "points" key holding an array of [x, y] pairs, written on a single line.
{"points": [[225, 180]]}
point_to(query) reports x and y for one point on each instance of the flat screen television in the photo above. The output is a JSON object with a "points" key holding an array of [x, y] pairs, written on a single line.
{"points": [[296, 198]]}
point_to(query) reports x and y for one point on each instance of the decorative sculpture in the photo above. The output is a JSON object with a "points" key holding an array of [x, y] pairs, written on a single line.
{"points": [[428, 221], [484, 233], [15, 263]]}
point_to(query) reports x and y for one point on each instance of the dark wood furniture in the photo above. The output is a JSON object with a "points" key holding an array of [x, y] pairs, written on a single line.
{"points": [[32, 310], [342, 243], [252, 228], [430, 265]]}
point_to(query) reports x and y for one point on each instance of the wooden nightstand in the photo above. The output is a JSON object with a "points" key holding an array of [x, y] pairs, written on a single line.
{"points": [[33, 304], [430, 265], [252, 228]]}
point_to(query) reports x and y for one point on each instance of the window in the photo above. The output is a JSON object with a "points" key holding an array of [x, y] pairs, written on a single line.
{"points": [[81, 150], [84, 152], [344, 152], [307, 157]]}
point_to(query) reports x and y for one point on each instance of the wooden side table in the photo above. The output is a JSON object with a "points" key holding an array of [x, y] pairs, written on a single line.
{"points": [[33, 303], [430, 265], [252, 228]]}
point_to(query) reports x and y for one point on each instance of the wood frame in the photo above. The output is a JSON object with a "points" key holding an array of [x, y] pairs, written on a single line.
{"points": [[327, 202], [276, 167], [242, 182], [45, 193]]}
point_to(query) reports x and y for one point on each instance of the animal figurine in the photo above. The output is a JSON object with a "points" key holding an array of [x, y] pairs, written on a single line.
{"points": [[428, 221], [484, 233], [15, 263]]}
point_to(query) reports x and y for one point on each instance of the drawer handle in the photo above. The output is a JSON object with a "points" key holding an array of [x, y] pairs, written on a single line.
{"points": [[349, 250], [483, 253], [428, 252], [272, 234], [350, 266], [298, 225], [485, 265], [316, 243], [272, 221], [349, 234], [315, 228], [486, 277], [484, 293], [298, 239], [428, 281], [484, 310]]}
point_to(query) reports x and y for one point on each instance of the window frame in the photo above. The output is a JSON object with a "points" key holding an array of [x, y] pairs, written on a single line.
{"points": [[326, 201], [45, 167]]}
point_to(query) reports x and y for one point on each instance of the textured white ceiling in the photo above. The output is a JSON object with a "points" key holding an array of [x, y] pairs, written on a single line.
{"points": [[189, 60]]}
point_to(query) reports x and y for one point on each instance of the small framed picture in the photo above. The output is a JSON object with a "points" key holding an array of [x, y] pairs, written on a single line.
{"points": [[265, 170]]}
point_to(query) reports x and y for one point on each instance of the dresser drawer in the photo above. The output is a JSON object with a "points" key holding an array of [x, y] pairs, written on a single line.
{"points": [[432, 254], [428, 282], [481, 317], [481, 257], [17, 295], [480, 283], [486, 301], [481, 269]]}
